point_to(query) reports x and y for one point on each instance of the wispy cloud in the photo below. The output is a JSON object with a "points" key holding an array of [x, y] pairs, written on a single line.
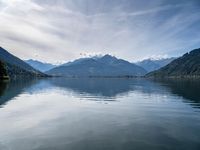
{"points": [[61, 30]]}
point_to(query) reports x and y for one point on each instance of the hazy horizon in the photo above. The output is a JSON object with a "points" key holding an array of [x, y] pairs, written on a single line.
{"points": [[92, 56], [63, 30]]}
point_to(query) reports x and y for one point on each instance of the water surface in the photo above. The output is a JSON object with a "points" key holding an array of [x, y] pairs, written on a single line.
{"points": [[100, 114]]}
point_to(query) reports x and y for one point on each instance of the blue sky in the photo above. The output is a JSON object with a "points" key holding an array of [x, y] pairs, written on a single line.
{"points": [[61, 30]]}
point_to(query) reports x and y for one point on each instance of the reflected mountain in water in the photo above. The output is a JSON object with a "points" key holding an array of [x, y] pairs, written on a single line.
{"points": [[104, 88], [9, 90], [108, 87], [189, 89]]}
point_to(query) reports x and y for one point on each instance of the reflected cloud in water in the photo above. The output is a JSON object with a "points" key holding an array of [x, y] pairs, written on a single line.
{"points": [[61, 113]]}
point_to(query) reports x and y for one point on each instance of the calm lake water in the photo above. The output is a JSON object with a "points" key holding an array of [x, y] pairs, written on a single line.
{"points": [[100, 114]]}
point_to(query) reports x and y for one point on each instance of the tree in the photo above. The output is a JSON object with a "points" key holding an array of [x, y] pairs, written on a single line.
{"points": [[3, 71]]}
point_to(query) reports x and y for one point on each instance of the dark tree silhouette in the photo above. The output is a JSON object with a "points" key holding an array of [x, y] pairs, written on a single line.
{"points": [[3, 71]]}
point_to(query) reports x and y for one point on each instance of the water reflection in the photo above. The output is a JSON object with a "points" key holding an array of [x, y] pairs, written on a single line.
{"points": [[59, 114], [106, 89], [189, 89], [9, 90]]}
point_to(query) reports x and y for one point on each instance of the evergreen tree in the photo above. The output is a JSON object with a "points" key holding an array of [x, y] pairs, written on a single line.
{"points": [[3, 71]]}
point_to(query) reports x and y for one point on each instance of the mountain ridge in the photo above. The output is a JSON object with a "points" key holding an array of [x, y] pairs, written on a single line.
{"points": [[187, 65], [106, 65], [41, 66], [17, 67], [152, 64]]}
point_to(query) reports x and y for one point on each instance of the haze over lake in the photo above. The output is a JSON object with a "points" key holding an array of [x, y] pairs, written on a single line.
{"points": [[96, 114]]}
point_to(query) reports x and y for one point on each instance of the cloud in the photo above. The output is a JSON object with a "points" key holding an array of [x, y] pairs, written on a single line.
{"points": [[61, 30]]}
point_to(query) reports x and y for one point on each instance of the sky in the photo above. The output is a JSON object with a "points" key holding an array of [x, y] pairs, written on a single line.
{"points": [[62, 30]]}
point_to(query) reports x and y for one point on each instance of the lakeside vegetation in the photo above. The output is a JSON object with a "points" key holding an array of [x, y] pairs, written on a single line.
{"points": [[13, 67], [3, 72]]}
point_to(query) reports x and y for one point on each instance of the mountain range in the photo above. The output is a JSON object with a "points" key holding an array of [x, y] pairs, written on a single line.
{"points": [[186, 66], [105, 66], [152, 65], [16, 67], [148, 64], [41, 66]]}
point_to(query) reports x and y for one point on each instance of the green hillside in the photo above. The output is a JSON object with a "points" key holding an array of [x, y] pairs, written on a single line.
{"points": [[186, 66], [15, 67]]}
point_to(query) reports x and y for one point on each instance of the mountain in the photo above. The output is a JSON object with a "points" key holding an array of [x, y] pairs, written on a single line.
{"points": [[43, 67], [17, 67], [151, 65], [106, 66], [186, 66]]}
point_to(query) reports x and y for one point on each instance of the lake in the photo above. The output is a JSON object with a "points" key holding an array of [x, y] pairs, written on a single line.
{"points": [[100, 114]]}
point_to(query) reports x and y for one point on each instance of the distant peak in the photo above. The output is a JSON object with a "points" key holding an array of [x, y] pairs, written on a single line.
{"points": [[108, 56], [155, 59], [30, 60]]}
